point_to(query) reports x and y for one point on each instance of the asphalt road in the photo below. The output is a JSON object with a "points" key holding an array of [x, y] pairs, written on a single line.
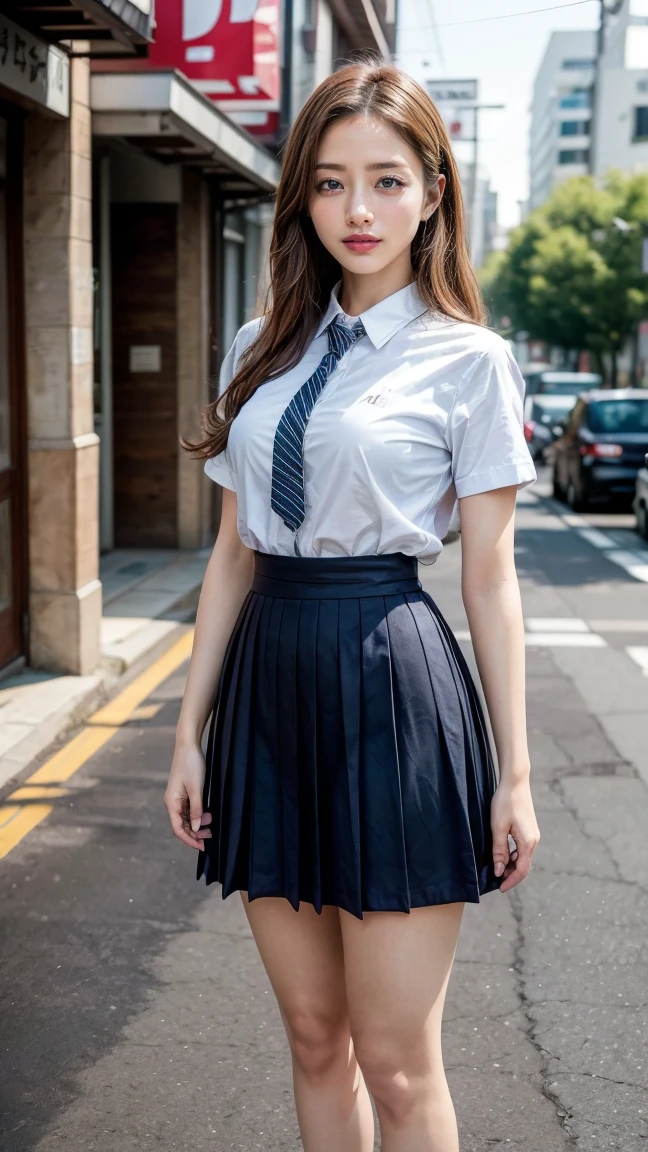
{"points": [[136, 1013]]}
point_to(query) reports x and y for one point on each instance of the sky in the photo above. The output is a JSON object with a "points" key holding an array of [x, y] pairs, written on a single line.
{"points": [[504, 56]]}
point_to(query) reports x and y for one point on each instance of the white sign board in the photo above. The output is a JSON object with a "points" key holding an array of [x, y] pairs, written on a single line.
{"points": [[145, 358], [452, 91], [34, 69], [453, 99]]}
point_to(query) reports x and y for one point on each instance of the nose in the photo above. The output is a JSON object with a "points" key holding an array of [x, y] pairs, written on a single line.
{"points": [[359, 213]]}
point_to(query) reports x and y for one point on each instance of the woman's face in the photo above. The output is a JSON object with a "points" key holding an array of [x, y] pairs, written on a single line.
{"points": [[369, 181]]}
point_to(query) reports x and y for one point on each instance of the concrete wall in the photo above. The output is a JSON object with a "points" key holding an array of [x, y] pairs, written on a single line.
{"points": [[621, 91], [63, 460]]}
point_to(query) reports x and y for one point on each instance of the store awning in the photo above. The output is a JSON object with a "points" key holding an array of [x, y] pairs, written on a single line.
{"points": [[164, 115], [110, 26]]}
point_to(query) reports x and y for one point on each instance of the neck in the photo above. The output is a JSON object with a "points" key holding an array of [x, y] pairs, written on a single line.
{"points": [[361, 290]]}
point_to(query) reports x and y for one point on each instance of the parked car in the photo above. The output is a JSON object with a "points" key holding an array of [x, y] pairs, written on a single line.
{"points": [[544, 421], [549, 381], [640, 502], [602, 448]]}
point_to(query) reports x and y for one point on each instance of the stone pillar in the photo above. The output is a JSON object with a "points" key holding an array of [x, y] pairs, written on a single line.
{"points": [[195, 490], [65, 592]]}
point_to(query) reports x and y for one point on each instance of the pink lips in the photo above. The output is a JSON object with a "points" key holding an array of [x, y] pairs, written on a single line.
{"points": [[360, 243]]}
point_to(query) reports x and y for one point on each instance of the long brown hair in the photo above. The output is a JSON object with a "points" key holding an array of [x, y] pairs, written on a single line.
{"points": [[303, 272]]}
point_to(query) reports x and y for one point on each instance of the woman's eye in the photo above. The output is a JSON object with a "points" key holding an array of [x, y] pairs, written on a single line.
{"points": [[324, 185]]}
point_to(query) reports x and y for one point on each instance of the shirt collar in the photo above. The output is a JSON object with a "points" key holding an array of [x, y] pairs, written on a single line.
{"points": [[383, 319]]}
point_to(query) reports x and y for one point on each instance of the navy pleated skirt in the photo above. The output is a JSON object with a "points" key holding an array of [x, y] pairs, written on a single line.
{"points": [[348, 760]]}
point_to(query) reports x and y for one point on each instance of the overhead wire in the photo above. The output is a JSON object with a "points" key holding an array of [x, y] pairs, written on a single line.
{"points": [[504, 16]]}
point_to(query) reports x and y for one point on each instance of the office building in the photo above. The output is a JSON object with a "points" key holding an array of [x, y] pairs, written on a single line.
{"points": [[561, 113]]}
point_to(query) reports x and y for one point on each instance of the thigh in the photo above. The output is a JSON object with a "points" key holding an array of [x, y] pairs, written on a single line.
{"points": [[397, 967], [303, 956]]}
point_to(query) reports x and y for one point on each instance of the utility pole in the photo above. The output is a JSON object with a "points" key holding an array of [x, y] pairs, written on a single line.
{"points": [[474, 180]]}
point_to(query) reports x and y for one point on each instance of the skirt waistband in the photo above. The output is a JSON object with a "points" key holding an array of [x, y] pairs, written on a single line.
{"points": [[334, 577]]}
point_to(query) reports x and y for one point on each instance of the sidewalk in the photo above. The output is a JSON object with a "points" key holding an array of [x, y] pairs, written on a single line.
{"points": [[148, 595]]}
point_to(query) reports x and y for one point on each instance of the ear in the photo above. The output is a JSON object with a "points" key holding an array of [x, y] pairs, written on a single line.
{"points": [[434, 197]]}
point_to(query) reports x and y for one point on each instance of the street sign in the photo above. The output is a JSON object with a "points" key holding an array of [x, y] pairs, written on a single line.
{"points": [[453, 99], [452, 91]]}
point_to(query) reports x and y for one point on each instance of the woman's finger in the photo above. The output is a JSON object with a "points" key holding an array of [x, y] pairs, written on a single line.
{"points": [[519, 868], [500, 850], [181, 828]]}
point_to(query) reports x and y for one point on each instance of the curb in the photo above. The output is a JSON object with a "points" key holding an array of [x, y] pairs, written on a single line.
{"points": [[93, 691]]}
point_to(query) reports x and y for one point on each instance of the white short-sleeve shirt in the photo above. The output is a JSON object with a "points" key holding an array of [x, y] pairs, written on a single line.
{"points": [[420, 412]]}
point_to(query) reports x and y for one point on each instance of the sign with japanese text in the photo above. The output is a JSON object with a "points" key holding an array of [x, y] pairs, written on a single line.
{"points": [[39, 71]]}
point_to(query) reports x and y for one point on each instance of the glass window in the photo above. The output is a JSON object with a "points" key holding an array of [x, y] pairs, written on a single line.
{"points": [[574, 156], [575, 128], [640, 123], [577, 98], [549, 414], [619, 416], [578, 64]]}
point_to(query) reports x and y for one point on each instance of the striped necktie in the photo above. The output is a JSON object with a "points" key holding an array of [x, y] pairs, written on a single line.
{"points": [[287, 491]]}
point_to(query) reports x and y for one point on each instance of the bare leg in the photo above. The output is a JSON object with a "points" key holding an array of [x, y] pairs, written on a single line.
{"points": [[397, 968], [302, 954]]}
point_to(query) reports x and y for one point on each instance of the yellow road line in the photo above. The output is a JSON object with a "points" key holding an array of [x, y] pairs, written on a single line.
{"points": [[33, 792], [16, 820]]}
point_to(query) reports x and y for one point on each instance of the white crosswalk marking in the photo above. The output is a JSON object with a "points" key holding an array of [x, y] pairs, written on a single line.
{"points": [[640, 657]]}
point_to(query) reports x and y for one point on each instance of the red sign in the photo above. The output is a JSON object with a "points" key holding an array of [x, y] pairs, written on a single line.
{"points": [[229, 49]]}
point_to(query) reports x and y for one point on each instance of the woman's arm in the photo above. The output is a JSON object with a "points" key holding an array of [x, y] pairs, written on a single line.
{"points": [[227, 581], [491, 596]]}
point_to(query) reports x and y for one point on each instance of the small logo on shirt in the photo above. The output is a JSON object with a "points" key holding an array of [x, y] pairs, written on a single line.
{"points": [[379, 398]]}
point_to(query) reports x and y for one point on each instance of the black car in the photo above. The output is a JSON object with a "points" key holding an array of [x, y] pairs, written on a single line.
{"points": [[603, 447], [544, 421]]}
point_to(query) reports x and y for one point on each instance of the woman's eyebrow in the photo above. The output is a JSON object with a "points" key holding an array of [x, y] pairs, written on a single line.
{"points": [[368, 167]]}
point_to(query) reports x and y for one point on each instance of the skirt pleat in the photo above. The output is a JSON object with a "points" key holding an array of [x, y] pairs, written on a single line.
{"points": [[348, 761], [349, 696]]}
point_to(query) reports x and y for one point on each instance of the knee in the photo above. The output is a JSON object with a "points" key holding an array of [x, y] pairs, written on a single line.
{"points": [[396, 1076], [319, 1043]]}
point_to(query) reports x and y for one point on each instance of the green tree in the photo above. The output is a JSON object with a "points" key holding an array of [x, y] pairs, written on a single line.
{"points": [[571, 274]]}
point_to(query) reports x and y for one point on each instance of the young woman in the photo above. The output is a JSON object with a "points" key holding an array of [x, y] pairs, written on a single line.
{"points": [[350, 792]]}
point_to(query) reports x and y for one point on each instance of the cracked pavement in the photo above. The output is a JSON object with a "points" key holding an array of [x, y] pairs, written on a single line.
{"points": [[136, 1013]]}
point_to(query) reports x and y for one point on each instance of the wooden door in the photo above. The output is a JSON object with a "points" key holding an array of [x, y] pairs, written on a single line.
{"points": [[144, 274]]}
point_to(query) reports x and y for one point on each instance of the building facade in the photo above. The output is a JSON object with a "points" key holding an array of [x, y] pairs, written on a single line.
{"points": [[135, 215], [50, 594], [561, 113], [621, 93]]}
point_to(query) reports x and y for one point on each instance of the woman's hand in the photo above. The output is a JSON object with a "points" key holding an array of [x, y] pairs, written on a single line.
{"points": [[512, 814], [183, 796]]}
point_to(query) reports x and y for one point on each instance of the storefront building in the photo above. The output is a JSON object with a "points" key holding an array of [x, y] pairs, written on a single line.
{"points": [[183, 200], [136, 197], [50, 595]]}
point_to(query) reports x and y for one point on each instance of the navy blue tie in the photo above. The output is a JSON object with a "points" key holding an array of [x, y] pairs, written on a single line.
{"points": [[287, 493]]}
